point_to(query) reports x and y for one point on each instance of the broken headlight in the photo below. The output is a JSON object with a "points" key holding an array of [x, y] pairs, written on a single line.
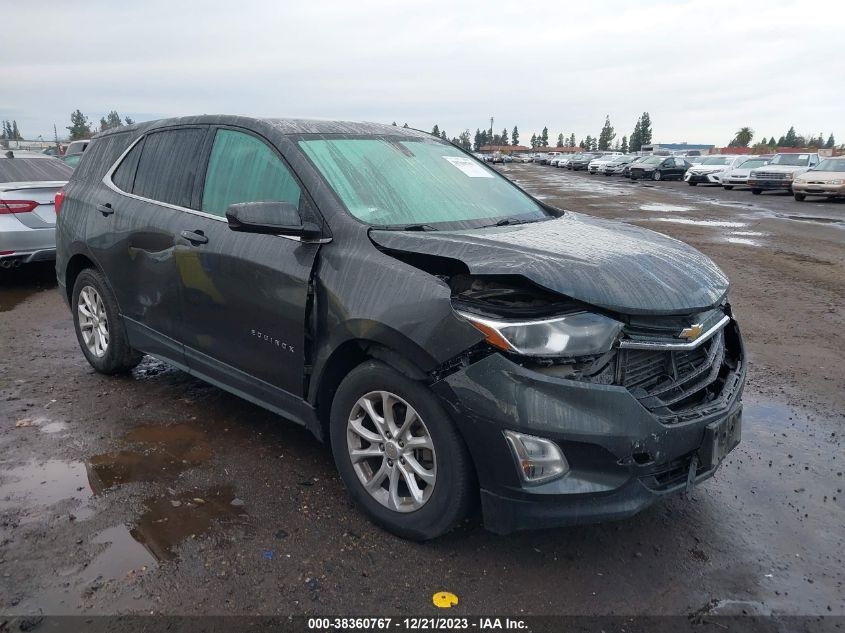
{"points": [[575, 334]]}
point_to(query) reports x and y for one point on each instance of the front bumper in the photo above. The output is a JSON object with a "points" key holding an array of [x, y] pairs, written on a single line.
{"points": [[711, 178], [769, 184], [818, 189], [636, 174], [622, 457]]}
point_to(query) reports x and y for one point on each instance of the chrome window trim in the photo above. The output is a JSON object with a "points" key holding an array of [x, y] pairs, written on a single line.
{"points": [[629, 344], [107, 181]]}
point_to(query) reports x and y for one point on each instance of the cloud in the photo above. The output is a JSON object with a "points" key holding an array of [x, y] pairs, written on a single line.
{"points": [[701, 68]]}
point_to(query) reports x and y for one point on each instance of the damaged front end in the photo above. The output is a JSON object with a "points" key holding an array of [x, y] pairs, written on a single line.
{"points": [[634, 403]]}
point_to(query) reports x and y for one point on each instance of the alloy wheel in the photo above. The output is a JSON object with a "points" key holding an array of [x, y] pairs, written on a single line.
{"points": [[391, 451], [93, 321]]}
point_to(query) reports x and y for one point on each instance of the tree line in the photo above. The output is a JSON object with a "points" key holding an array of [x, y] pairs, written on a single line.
{"points": [[9, 132], [606, 140], [81, 128], [745, 135]]}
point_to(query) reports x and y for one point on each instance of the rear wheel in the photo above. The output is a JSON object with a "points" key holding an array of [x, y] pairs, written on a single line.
{"points": [[99, 326], [800, 197], [756, 192], [399, 453]]}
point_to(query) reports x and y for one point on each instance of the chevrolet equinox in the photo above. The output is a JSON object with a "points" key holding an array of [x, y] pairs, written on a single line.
{"points": [[450, 335]]}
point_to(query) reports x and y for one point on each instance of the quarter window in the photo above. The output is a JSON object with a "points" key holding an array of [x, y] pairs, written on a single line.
{"points": [[243, 168], [124, 176], [168, 166]]}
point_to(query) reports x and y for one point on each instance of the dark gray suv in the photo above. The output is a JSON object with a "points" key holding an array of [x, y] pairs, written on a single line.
{"points": [[450, 335]]}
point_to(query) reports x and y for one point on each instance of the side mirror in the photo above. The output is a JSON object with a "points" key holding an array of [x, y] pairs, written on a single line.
{"points": [[272, 218]]}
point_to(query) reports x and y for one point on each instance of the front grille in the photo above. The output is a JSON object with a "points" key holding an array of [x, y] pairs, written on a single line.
{"points": [[770, 175], [683, 384]]}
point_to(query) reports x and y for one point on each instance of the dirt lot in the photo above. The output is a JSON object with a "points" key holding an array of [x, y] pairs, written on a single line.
{"points": [[158, 493]]}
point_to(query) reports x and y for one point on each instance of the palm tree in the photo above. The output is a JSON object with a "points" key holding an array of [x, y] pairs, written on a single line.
{"points": [[743, 137]]}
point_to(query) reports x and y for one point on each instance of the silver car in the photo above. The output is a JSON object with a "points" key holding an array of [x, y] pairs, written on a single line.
{"points": [[28, 185]]}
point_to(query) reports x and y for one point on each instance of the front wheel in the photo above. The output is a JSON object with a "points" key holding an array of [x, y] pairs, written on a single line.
{"points": [[399, 453], [728, 187], [800, 197], [756, 192], [99, 326], [691, 183], [656, 175]]}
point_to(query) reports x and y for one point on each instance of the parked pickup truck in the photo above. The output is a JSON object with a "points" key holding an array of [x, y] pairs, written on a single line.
{"points": [[780, 172]]}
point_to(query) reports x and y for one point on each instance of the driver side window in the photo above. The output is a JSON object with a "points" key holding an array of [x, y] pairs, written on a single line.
{"points": [[243, 168]]}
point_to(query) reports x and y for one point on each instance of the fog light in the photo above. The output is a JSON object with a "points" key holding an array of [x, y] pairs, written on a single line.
{"points": [[538, 460]]}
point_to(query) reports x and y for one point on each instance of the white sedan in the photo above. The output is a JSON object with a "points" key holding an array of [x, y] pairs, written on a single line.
{"points": [[738, 176]]}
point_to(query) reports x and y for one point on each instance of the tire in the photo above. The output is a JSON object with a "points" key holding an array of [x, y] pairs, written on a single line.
{"points": [[656, 175], [691, 184], [447, 501], [756, 192], [107, 350], [800, 197], [728, 187]]}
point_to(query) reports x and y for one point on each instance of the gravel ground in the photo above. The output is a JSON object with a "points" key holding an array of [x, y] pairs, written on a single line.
{"points": [[157, 493]]}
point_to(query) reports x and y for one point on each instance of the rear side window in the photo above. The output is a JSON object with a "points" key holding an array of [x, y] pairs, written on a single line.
{"points": [[100, 155], [243, 168], [124, 176], [168, 165]]}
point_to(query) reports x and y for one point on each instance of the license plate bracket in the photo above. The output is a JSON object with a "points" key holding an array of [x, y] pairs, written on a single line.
{"points": [[720, 438]]}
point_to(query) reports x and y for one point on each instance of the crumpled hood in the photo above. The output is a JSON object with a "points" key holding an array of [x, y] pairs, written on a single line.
{"points": [[618, 267]]}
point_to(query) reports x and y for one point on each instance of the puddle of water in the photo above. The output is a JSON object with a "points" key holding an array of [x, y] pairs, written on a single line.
{"points": [[750, 233], [36, 486], [810, 218], [123, 556], [163, 451], [19, 284], [52, 427], [169, 521], [743, 241], [690, 221], [664, 207]]}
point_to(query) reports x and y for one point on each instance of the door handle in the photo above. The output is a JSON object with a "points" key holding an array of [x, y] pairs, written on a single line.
{"points": [[105, 209], [194, 237]]}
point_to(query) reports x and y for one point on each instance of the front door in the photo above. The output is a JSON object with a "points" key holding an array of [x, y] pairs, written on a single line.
{"points": [[244, 294]]}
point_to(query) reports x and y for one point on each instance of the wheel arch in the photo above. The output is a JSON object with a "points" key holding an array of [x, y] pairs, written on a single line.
{"points": [[76, 264], [346, 357]]}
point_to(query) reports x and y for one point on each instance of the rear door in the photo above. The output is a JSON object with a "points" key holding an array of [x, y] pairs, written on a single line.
{"points": [[137, 218], [245, 294]]}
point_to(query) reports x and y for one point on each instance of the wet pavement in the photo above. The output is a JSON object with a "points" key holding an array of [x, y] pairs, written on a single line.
{"points": [[158, 493]]}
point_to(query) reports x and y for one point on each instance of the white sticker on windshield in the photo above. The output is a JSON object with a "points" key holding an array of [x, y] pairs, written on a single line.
{"points": [[469, 167], [803, 156]]}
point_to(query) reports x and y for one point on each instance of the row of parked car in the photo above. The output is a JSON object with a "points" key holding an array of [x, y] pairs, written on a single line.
{"points": [[802, 175]]}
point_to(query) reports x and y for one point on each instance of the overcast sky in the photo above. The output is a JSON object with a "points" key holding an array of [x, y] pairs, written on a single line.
{"points": [[702, 69]]}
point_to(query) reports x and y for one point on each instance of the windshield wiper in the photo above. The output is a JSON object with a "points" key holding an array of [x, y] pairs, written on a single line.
{"points": [[403, 227]]}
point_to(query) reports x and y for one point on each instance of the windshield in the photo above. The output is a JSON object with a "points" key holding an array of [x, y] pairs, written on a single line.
{"points": [[404, 182], [792, 160], [831, 164], [33, 169], [754, 162], [717, 160], [653, 160]]}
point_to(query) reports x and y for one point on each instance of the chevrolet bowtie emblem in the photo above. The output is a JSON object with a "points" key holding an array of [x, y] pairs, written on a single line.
{"points": [[692, 332]]}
